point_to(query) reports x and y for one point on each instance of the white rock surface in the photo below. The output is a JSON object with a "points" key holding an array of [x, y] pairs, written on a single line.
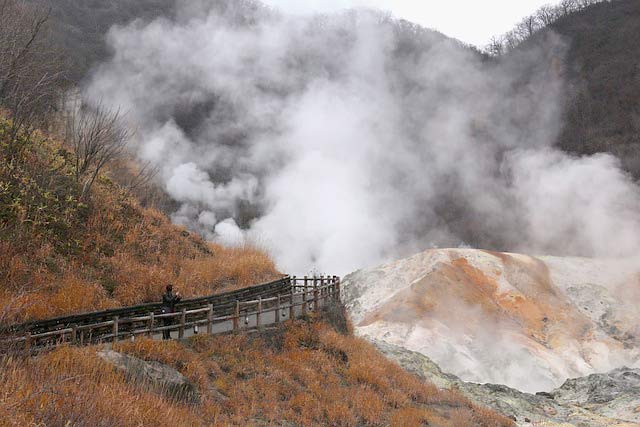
{"points": [[526, 322]]}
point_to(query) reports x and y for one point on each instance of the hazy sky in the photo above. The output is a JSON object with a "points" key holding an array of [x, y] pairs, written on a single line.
{"points": [[471, 21]]}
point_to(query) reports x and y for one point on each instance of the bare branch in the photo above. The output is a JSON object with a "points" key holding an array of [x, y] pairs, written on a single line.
{"points": [[97, 136], [31, 76]]}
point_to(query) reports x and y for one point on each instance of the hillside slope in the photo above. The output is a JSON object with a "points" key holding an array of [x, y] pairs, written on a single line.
{"points": [[526, 322], [602, 113], [604, 400], [60, 254], [81, 26], [303, 375]]}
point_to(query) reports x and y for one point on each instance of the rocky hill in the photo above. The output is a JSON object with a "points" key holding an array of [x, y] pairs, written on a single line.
{"points": [[526, 322], [610, 399]]}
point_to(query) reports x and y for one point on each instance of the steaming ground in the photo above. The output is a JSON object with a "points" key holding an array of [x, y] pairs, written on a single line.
{"points": [[526, 322], [341, 141]]}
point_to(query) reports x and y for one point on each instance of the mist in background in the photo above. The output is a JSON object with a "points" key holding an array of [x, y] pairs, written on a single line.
{"points": [[343, 140]]}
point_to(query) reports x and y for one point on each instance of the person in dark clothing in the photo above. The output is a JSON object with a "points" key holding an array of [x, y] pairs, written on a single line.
{"points": [[169, 301]]}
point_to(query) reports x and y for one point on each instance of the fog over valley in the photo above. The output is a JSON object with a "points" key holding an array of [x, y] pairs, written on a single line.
{"points": [[343, 140]]}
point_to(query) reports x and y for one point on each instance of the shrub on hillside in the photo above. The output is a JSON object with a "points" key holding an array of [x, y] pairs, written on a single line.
{"points": [[241, 380], [61, 255]]}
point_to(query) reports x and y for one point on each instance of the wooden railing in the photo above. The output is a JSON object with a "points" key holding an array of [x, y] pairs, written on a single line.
{"points": [[248, 308]]}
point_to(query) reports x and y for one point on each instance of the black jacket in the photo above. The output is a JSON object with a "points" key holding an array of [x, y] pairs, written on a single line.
{"points": [[169, 301]]}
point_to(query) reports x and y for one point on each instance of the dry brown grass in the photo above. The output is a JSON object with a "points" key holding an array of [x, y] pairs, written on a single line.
{"points": [[74, 387], [60, 255], [124, 259], [306, 374]]}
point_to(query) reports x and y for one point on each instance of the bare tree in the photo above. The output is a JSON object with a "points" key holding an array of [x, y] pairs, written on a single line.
{"points": [[97, 136], [511, 40], [31, 77], [543, 17], [145, 175], [581, 4], [496, 46], [528, 27], [547, 15], [568, 6]]}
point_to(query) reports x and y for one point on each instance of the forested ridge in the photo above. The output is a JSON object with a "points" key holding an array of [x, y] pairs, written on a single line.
{"points": [[602, 112], [603, 108]]}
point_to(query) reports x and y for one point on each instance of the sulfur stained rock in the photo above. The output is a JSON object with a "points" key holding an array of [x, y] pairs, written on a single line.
{"points": [[523, 321]]}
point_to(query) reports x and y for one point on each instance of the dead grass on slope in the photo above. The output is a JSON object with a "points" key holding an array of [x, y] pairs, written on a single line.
{"points": [[306, 374], [61, 255]]}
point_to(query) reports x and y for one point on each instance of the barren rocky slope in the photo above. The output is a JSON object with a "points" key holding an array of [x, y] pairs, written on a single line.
{"points": [[529, 323], [611, 399]]}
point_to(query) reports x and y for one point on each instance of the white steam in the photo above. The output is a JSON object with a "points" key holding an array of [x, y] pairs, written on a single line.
{"points": [[341, 141]]}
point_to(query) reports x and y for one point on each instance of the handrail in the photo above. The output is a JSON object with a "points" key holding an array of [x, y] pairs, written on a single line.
{"points": [[79, 318], [283, 297]]}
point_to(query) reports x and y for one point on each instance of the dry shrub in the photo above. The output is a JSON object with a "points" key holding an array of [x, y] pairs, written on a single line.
{"points": [[410, 416], [368, 405], [137, 282], [117, 253], [73, 386], [230, 268], [243, 380], [61, 254], [71, 295]]}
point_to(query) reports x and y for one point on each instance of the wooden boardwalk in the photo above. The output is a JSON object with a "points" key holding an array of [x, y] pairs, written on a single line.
{"points": [[245, 309]]}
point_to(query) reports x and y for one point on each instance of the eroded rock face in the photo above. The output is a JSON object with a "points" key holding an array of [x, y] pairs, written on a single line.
{"points": [[529, 323], [161, 378], [597, 400], [615, 394]]}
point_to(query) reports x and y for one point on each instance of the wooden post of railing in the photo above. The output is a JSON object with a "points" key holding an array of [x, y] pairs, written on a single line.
{"points": [[304, 296], [74, 334], [277, 320], [236, 317], [27, 343], [315, 297], [183, 321], [337, 289], [150, 324], [115, 328], [292, 309], [210, 319], [259, 314]]}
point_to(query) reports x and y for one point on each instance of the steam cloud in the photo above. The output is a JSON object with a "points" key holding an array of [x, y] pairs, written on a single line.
{"points": [[343, 140]]}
